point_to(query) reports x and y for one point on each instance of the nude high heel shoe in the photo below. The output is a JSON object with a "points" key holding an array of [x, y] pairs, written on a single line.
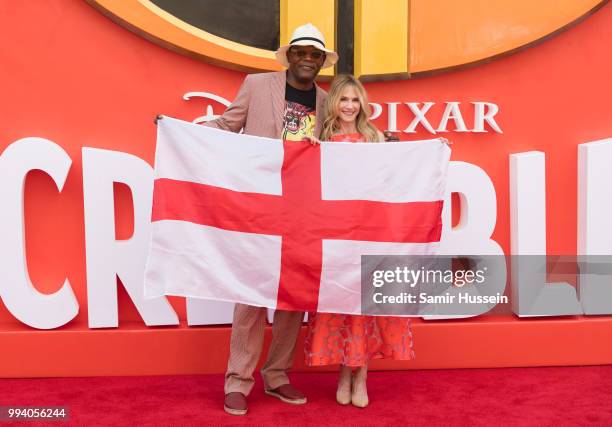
{"points": [[359, 393], [343, 394]]}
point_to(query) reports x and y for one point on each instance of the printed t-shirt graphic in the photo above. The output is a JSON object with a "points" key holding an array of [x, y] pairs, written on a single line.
{"points": [[299, 118]]}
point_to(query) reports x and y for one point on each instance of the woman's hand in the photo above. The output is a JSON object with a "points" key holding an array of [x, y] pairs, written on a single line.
{"points": [[389, 137], [313, 140]]}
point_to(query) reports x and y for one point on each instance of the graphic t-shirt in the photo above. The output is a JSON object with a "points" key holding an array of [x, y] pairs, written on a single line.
{"points": [[299, 118]]}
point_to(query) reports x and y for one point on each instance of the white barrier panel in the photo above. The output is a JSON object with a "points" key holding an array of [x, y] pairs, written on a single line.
{"points": [[595, 224], [471, 237], [31, 307], [108, 258], [531, 295]]}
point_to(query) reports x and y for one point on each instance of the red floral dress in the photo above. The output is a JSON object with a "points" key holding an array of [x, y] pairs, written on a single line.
{"points": [[354, 340]]}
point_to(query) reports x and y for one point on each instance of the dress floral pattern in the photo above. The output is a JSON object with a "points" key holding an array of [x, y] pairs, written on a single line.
{"points": [[354, 340]]}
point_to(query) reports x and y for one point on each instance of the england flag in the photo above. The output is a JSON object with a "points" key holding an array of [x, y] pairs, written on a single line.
{"points": [[282, 224]]}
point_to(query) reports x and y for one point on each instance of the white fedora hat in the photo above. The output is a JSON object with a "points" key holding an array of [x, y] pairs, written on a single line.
{"points": [[307, 35]]}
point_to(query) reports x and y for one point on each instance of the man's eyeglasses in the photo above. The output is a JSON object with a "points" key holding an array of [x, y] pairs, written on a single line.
{"points": [[303, 53]]}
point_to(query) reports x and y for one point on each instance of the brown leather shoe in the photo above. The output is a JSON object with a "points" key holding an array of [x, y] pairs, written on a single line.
{"points": [[288, 394], [235, 403]]}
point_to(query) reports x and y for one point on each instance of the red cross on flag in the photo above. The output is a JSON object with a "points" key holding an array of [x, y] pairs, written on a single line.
{"points": [[283, 225]]}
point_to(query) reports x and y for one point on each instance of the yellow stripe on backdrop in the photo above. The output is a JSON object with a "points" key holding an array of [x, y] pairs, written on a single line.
{"points": [[381, 39], [320, 13]]}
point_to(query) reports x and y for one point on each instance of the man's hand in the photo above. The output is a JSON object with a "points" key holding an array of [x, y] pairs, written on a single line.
{"points": [[157, 118]]}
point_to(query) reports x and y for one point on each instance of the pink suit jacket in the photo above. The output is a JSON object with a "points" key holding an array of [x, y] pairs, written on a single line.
{"points": [[259, 107]]}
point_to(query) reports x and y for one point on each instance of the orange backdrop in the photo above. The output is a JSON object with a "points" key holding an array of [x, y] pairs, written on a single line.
{"points": [[72, 76]]}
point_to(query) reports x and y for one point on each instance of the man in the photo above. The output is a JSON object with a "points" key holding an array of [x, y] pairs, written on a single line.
{"points": [[287, 105]]}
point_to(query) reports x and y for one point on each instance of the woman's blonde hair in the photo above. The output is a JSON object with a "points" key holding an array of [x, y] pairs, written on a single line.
{"points": [[331, 124]]}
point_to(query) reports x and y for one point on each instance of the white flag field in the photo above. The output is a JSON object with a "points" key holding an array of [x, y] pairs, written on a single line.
{"points": [[281, 224]]}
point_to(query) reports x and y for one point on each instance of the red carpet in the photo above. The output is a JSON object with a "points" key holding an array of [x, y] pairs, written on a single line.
{"points": [[515, 396]]}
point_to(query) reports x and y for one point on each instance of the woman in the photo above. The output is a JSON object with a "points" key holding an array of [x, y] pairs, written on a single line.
{"points": [[347, 340]]}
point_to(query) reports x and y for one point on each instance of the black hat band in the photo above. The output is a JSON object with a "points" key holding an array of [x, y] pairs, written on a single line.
{"points": [[307, 38]]}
